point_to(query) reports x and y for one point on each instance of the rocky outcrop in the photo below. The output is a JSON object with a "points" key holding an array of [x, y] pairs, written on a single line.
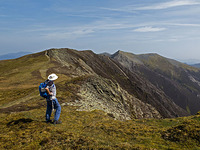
{"points": [[104, 94]]}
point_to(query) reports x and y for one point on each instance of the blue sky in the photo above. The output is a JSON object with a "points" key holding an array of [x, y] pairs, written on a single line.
{"points": [[169, 27]]}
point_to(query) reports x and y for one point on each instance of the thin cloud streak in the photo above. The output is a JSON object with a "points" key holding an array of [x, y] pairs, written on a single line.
{"points": [[123, 9], [149, 29], [76, 32], [175, 3], [158, 6], [88, 30], [183, 24]]}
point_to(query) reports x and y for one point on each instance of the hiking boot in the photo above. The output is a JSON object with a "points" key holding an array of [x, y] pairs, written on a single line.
{"points": [[57, 122], [48, 121]]}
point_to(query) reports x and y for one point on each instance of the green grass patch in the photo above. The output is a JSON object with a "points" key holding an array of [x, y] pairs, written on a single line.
{"points": [[95, 130]]}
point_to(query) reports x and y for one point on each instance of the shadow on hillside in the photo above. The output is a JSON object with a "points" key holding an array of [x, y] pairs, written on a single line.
{"points": [[21, 107], [19, 121], [24, 122]]}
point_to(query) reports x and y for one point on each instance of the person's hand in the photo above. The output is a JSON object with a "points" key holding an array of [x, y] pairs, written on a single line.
{"points": [[51, 93]]}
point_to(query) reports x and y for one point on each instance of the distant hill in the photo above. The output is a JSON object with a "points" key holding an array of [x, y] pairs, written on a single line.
{"points": [[196, 65], [13, 55]]}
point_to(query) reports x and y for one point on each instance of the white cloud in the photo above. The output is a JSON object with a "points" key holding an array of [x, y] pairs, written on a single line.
{"points": [[174, 3], [75, 32], [129, 9], [158, 6], [59, 35], [183, 24], [149, 29]]}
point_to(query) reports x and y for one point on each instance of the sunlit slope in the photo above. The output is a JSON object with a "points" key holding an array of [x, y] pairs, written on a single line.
{"points": [[96, 130], [24, 71], [20, 78]]}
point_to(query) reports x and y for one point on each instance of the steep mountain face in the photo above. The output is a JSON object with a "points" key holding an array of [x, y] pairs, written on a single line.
{"points": [[180, 82], [86, 81]]}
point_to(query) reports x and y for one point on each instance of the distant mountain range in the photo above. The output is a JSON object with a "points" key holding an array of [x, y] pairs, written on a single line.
{"points": [[196, 65], [13, 55], [190, 61]]}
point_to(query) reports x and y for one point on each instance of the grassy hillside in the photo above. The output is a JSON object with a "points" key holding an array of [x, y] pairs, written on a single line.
{"points": [[96, 130]]}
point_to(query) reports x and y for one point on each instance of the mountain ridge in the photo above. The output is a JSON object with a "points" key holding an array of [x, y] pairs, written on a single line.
{"points": [[165, 73], [72, 64]]}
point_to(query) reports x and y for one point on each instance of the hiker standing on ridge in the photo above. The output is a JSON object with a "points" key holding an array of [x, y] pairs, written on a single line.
{"points": [[52, 102]]}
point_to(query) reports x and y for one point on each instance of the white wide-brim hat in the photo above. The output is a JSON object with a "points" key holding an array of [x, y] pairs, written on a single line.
{"points": [[52, 77]]}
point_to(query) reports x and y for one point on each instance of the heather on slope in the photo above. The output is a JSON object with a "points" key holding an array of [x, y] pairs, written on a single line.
{"points": [[96, 130]]}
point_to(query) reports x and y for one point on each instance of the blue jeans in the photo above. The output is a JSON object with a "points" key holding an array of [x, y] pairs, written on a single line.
{"points": [[49, 109]]}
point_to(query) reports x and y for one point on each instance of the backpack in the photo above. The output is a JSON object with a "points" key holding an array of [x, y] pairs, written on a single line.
{"points": [[42, 89]]}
